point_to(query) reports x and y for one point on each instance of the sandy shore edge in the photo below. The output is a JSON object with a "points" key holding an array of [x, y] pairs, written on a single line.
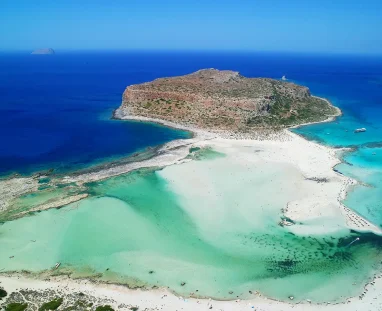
{"points": [[163, 299]]}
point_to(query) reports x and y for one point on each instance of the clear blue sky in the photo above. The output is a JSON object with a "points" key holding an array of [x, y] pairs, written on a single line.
{"points": [[334, 26]]}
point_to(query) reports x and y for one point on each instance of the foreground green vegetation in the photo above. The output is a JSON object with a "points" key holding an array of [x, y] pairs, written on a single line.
{"points": [[51, 305], [3, 293], [49, 300], [16, 306]]}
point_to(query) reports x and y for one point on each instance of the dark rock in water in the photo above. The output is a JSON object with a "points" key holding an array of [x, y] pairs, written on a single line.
{"points": [[48, 51]]}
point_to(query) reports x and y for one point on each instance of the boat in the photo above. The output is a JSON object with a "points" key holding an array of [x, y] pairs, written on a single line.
{"points": [[283, 78], [57, 265], [355, 240], [360, 130], [285, 222]]}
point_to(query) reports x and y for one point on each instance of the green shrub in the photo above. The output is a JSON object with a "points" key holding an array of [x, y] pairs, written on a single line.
{"points": [[16, 306], [104, 308], [51, 305], [3, 293]]}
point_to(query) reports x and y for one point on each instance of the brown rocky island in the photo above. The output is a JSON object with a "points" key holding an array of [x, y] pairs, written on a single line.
{"points": [[218, 101]]}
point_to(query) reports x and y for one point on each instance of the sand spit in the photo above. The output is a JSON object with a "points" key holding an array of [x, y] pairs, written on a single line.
{"points": [[315, 162], [55, 204], [321, 188]]}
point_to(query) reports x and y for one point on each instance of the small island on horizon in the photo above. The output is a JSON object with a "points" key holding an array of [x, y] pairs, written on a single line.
{"points": [[45, 51]]}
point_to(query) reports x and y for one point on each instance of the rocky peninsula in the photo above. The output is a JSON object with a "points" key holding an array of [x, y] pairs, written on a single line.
{"points": [[223, 100]]}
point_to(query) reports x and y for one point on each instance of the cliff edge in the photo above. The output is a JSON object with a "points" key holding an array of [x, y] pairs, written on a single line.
{"points": [[211, 99]]}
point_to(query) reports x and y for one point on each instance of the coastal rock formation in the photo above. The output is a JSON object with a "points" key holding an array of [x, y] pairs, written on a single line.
{"points": [[224, 100], [48, 51]]}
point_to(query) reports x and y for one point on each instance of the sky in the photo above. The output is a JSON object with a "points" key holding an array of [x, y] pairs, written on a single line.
{"points": [[325, 26]]}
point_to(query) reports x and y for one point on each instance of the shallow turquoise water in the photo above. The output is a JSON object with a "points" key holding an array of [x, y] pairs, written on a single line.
{"points": [[135, 230], [365, 166]]}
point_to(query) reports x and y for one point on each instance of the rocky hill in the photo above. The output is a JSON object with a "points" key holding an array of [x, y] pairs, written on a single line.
{"points": [[224, 100]]}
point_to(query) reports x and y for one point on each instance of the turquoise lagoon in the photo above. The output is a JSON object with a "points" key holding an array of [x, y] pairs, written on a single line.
{"points": [[135, 229], [365, 165]]}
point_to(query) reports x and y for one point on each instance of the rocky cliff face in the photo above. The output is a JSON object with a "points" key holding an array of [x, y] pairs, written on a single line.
{"points": [[224, 100]]}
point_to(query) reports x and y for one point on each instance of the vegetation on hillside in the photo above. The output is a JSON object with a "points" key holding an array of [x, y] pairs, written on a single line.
{"points": [[224, 100]]}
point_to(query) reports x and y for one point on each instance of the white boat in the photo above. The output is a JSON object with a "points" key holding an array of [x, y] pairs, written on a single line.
{"points": [[360, 130], [285, 222], [57, 265], [284, 78]]}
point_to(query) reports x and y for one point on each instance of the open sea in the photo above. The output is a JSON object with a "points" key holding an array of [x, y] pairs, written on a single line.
{"points": [[55, 113]]}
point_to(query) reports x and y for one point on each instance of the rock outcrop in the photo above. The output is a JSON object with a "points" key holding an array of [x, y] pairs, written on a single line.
{"points": [[224, 100], [48, 51]]}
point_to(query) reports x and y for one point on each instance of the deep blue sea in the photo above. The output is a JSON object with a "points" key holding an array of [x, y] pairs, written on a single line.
{"points": [[55, 110]]}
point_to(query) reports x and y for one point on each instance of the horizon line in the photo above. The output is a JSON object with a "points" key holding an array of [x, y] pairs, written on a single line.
{"points": [[257, 51]]}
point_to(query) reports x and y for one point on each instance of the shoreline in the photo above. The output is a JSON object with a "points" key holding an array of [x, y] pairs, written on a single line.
{"points": [[159, 298], [353, 219], [329, 119]]}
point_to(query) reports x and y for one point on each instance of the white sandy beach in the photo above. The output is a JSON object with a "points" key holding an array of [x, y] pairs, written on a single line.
{"points": [[311, 159], [162, 299]]}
